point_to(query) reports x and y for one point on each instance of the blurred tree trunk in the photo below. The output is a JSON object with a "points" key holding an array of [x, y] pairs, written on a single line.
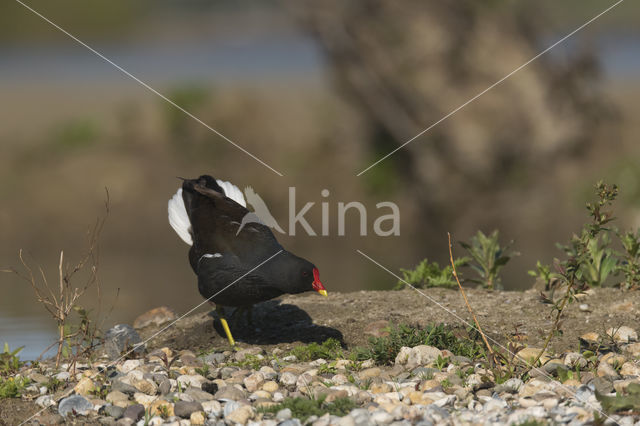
{"points": [[405, 65]]}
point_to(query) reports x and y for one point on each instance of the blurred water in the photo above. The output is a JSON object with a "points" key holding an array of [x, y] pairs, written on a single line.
{"points": [[201, 60], [33, 332]]}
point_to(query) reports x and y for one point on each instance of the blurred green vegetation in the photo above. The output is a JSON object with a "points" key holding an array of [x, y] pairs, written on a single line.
{"points": [[120, 19], [75, 134]]}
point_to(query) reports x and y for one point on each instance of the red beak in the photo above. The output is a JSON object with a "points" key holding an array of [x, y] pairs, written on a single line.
{"points": [[317, 285]]}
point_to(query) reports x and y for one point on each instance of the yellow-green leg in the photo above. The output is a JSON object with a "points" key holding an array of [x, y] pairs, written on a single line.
{"points": [[225, 326]]}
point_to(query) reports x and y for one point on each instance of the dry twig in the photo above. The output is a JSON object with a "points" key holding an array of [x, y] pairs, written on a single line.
{"points": [[61, 301], [466, 301]]}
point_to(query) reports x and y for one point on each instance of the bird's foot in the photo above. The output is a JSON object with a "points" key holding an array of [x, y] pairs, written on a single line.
{"points": [[225, 326]]}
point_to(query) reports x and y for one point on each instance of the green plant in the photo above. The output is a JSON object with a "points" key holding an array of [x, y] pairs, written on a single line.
{"points": [[329, 368], [9, 361], [54, 385], [12, 387], [303, 408], [163, 411], [253, 362], [147, 417], [462, 373], [427, 274], [597, 260], [204, 370], [630, 262], [329, 349], [383, 350], [100, 392], [488, 258], [441, 362], [542, 272], [531, 422], [613, 404], [578, 271]]}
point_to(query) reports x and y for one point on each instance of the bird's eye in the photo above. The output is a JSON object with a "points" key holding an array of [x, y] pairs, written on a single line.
{"points": [[305, 273]]}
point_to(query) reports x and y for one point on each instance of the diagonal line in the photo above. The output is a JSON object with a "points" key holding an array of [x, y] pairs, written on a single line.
{"points": [[147, 86], [493, 85], [194, 308], [172, 323], [542, 372]]}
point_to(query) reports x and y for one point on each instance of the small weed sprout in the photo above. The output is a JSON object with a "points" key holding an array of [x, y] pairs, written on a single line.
{"points": [[488, 258], [427, 274], [330, 349], [630, 263], [9, 361], [12, 387], [303, 408]]}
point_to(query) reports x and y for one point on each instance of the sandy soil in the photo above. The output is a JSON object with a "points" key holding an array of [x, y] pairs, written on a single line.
{"points": [[352, 317]]}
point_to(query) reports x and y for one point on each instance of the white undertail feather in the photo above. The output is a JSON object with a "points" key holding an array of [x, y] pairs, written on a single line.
{"points": [[179, 219], [232, 191]]}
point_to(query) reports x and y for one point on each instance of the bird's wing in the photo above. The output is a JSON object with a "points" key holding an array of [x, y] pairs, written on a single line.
{"points": [[232, 191], [228, 282], [215, 220], [178, 217]]}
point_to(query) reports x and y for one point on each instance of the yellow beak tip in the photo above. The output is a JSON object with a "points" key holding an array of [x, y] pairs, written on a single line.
{"points": [[323, 292]]}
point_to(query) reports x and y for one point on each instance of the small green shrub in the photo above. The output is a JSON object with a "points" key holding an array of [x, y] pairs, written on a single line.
{"points": [[329, 349], [383, 350], [427, 274], [12, 388], [9, 361], [252, 362], [488, 258], [590, 259], [302, 408], [630, 263]]}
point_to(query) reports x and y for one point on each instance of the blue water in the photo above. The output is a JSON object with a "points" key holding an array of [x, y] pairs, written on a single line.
{"points": [[34, 333]]}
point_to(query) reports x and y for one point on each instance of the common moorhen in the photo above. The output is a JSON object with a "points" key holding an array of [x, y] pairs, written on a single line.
{"points": [[232, 266]]}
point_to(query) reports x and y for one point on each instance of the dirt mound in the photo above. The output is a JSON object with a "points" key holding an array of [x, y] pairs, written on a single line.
{"points": [[354, 317]]}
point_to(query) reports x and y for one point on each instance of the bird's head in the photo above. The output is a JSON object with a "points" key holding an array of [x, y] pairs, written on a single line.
{"points": [[309, 278]]}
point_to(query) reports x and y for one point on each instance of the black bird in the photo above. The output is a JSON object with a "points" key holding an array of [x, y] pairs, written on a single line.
{"points": [[207, 213]]}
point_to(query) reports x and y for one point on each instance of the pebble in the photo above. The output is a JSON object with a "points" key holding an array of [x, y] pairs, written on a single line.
{"points": [[45, 401], [113, 411], [229, 392], [156, 316], [623, 334], [184, 409], [409, 392], [75, 404], [213, 408], [134, 412], [117, 398], [84, 386], [241, 415], [417, 356], [288, 379], [254, 381], [121, 338]]}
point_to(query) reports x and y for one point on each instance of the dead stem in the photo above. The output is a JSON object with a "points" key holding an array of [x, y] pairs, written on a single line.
{"points": [[475, 320]]}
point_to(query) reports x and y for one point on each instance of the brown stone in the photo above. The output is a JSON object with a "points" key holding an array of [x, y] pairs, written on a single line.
{"points": [[155, 408], [156, 316]]}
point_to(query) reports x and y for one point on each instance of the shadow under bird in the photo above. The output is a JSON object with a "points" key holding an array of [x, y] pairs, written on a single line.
{"points": [[234, 270]]}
